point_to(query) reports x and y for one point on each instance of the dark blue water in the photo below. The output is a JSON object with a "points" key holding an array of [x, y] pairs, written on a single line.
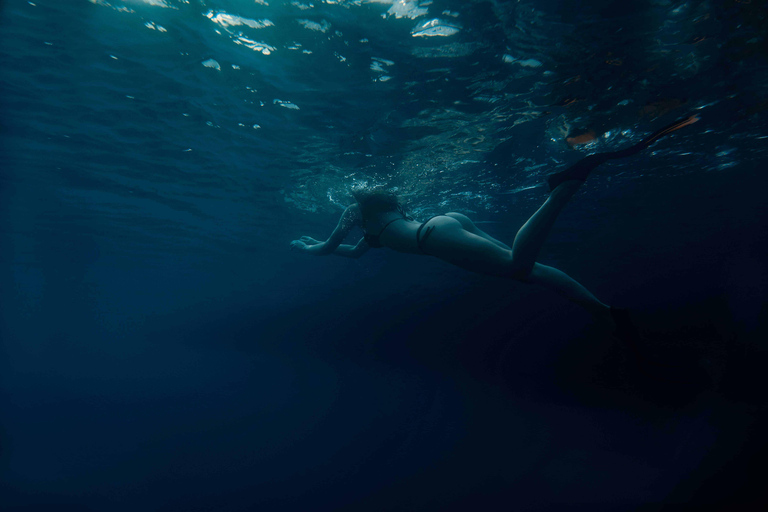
{"points": [[162, 349]]}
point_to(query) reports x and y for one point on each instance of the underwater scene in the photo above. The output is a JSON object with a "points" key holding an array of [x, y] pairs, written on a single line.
{"points": [[171, 341]]}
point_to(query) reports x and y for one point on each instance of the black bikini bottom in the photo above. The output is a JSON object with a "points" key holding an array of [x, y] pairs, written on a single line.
{"points": [[421, 238]]}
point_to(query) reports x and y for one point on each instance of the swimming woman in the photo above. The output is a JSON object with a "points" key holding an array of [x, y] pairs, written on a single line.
{"points": [[454, 238]]}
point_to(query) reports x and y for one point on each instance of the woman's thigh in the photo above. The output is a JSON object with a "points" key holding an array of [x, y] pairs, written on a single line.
{"points": [[451, 242]]}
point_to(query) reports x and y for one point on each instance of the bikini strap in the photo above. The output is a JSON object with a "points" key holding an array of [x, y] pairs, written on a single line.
{"points": [[420, 239]]}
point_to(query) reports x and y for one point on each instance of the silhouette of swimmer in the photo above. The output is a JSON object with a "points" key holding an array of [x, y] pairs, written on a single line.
{"points": [[454, 238]]}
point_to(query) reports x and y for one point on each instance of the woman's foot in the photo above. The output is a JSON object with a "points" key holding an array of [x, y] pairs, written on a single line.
{"points": [[577, 172]]}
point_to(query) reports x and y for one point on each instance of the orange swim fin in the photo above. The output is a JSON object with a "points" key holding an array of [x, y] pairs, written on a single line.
{"points": [[669, 129], [581, 169]]}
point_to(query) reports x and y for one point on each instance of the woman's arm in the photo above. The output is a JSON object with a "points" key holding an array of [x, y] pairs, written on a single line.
{"points": [[345, 250], [352, 251], [349, 219]]}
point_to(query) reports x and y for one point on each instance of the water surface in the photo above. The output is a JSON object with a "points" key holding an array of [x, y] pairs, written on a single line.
{"points": [[163, 350]]}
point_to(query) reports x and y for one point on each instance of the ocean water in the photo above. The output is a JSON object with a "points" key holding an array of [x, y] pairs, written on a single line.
{"points": [[162, 349]]}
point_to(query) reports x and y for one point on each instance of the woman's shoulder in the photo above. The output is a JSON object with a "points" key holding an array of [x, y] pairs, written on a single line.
{"points": [[352, 215], [354, 210]]}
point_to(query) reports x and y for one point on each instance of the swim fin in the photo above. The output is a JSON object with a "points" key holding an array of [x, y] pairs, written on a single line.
{"points": [[581, 169]]}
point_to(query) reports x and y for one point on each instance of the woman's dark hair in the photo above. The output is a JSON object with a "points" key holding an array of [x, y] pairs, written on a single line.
{"points": [[374, 201]]}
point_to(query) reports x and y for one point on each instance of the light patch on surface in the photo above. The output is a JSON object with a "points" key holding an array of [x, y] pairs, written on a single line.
{"points": [[302, 6], [407, 9], [526, 63], [152, 3], [377, 64], [726, 165], [726, 152], [323, 26], [530, 63], [435, 28], [286, 104], [151, 25], [211, 63], [231, 20], [121, 8], [256, 46]]}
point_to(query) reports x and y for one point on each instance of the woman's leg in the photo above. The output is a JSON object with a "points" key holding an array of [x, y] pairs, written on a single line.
{"points": [[453, 243], [566, 286], [564, 184], [527, 245], [464, 245], [530, 237]]}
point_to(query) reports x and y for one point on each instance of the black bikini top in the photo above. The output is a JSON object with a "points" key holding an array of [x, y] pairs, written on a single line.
{"points": [[373, 240]]}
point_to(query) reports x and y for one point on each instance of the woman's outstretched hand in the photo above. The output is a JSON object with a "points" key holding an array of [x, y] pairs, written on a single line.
{"points": [[303, 243]]}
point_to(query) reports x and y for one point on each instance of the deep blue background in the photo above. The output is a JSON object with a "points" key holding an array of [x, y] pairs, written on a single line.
{"points": [[163, 350]]}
